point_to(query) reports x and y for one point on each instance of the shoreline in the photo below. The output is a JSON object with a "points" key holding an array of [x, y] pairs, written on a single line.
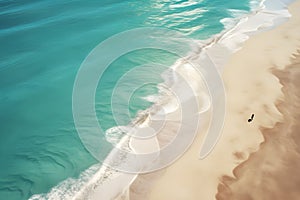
{"points": [[243, 27], [96, 190], [247, 87]]}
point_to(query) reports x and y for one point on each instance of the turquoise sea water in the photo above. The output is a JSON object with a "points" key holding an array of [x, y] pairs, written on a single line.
{"points": [[42, 46]]}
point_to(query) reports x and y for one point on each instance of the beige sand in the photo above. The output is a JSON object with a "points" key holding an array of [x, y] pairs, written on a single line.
{"points": [[251, 88], [273, 172]]}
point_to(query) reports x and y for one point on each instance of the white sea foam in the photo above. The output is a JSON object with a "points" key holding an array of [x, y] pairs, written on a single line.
{"points": [[69, 187], [115, 134], [101, 182]]}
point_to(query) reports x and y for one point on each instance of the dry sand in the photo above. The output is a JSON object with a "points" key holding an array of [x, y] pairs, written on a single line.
{"points": [[251, 88], [273, 172]]}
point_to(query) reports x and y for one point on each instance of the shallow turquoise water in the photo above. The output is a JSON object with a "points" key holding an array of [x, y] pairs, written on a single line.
{"points": [[42, 46]]}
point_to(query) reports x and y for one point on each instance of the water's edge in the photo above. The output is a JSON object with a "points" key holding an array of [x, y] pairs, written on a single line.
{"points": [[263, 17]]}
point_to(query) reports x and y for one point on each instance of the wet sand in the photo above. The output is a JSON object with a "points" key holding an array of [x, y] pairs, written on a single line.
{"points": [[245, 162]]}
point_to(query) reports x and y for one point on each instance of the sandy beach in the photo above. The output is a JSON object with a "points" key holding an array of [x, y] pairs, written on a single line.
{"points": [[273, 171], [257, 160]]}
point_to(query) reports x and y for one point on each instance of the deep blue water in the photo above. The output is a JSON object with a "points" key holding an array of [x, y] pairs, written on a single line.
{"points": [[42, 45]]}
